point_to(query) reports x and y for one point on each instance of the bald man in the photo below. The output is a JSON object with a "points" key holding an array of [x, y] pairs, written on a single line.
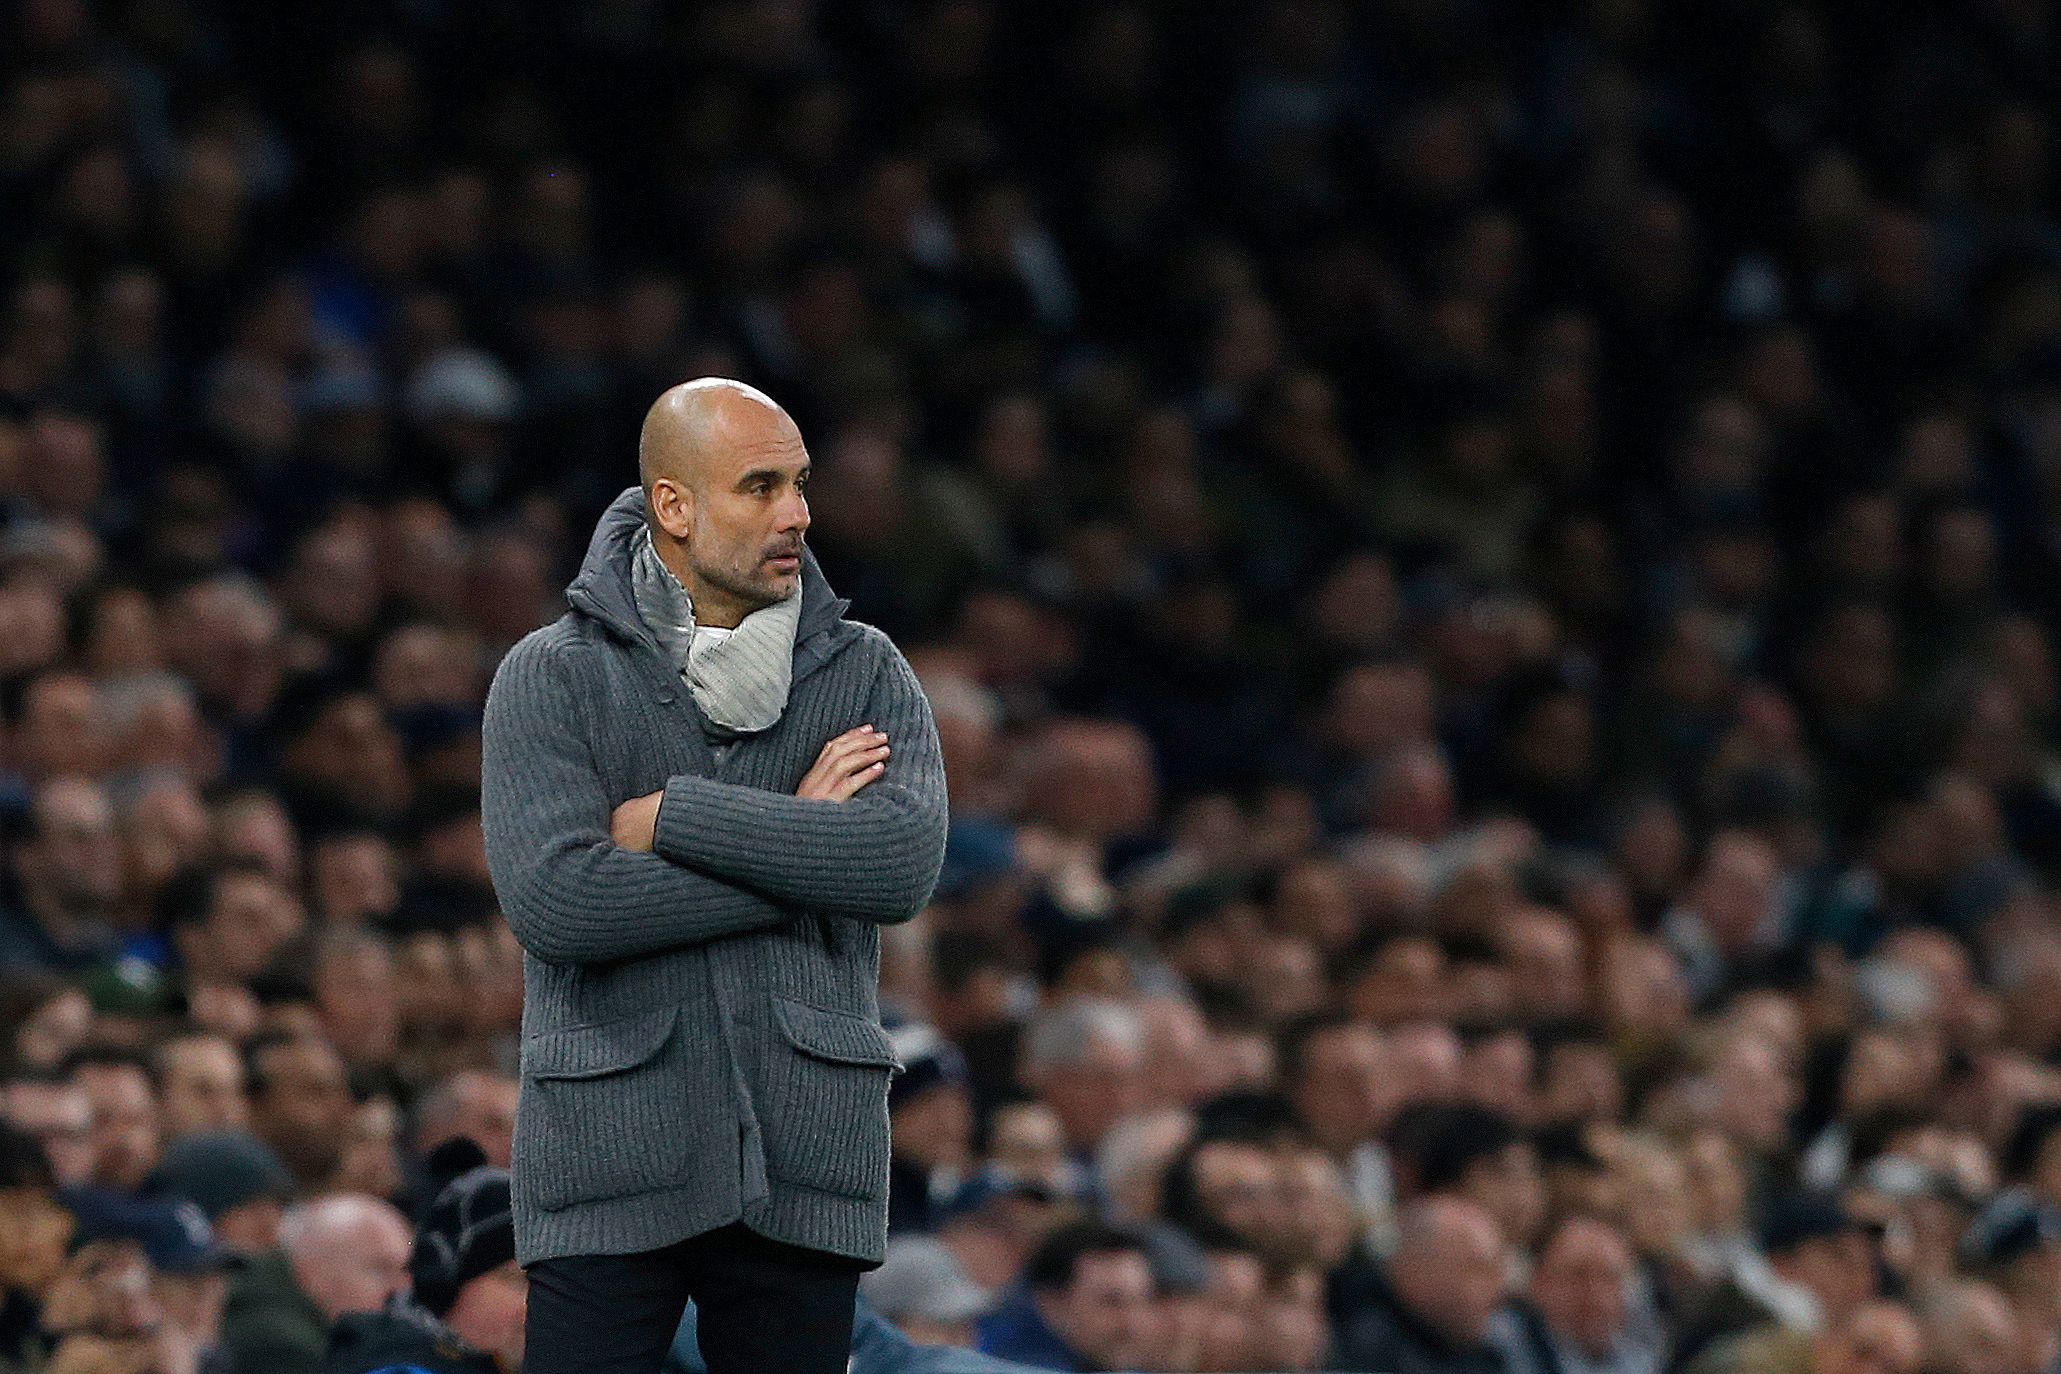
{"points": [[1445, 1284], [704, 792], [337, 1255]]}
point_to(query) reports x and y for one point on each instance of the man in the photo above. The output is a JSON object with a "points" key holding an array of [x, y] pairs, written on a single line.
{"points": [[930, 1110], [345, 1253], [465, 1313], [188, 1265], [240, 1186], [228, 923], [1228, 1186], [1579, 1317], [473, 1103], [37, 1229], [1087, 1303], [123, 1099], [1479, 1154], [1334, 1069], [922, 1288], [300, 1103], [1445, 1286], [703, 792], [1085, 1059], [202, 1084], [68, 870]]}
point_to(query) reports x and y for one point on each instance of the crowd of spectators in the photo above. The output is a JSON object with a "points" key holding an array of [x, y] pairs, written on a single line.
{"points": [[1487, 574]]}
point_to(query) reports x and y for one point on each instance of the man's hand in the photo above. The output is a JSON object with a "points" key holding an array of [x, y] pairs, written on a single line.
{"points": [[634, 824], [846, 764]]}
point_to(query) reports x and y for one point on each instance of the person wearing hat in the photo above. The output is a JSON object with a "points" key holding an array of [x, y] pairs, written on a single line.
{"points": [[930, 1109], [464, 1313], [237, 1182], [922, 1288], [2015, 1243], [189, 1264]]}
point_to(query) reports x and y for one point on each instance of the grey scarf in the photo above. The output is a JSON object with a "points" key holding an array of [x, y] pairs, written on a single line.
{"points": [[739, 680]]}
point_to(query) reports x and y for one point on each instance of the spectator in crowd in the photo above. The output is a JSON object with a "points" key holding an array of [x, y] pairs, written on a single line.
{"points": [[122, 1104], [67, 876], [922, 1289], [1086, 1303], [341, 1254], [300, 1102], [470, 1103], [200, 1077], [1579, 1313], [237, 1182], [1445, 1284], [931, 1114], [55, 1110], [463, 1312]]}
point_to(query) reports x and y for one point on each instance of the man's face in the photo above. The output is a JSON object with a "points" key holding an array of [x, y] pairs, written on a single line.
{"points": [[748, 512], [1509, 1186], [1240, 1186], [1454, 1282], [1839, 1270], [74, 860], [483, 1110], [490, 1311], [1089, 1097], [1107, 1313], [34, 1231], [251, 918], [305, 1106], [125, 1128], [1580, 1286], [204, 1088]]}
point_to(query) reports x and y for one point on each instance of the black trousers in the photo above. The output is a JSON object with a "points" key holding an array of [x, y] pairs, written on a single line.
{"points": [[762, 1306]]}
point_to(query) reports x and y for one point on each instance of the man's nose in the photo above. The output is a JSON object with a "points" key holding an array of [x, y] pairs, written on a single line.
{"points": [[794, 514]]}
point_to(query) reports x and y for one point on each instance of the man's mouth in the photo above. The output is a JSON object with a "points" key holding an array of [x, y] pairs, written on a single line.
{"points": [[786, 562]]}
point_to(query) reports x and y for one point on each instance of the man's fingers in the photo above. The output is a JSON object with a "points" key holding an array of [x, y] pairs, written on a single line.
{"points": [[864, 737], [849, 788], [875, 757]]}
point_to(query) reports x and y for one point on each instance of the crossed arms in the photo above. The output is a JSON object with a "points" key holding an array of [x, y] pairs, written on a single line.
{"points": [[861, 841]]}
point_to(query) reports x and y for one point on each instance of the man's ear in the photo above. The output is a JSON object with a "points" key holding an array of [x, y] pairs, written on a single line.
{"points": [[672, 508]]}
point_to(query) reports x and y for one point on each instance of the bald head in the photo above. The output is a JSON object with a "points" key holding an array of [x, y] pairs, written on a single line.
{"points": [[1449, 1266], [349, 1252], [723, 469], [693, 421]]}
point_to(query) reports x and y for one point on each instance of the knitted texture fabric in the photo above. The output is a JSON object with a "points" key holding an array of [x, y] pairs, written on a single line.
{"points": [[701, 1032]]}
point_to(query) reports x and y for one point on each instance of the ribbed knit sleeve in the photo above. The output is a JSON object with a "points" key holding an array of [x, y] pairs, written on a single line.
{"points": [[569, 893], [875, 857]]}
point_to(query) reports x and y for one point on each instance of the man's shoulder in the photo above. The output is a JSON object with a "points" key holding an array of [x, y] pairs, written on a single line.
{"points": [[560, 647]]}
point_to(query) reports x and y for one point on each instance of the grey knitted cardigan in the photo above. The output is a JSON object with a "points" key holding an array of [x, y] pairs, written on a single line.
{"points": [[701, 1033]]}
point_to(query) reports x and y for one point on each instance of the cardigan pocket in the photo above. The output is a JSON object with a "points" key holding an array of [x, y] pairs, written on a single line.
{"points": [[826, 1100], [599, 1108]]}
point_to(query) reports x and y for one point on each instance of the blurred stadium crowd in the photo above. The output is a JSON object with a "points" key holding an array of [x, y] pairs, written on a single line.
{"points": [[1487, 573]]}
